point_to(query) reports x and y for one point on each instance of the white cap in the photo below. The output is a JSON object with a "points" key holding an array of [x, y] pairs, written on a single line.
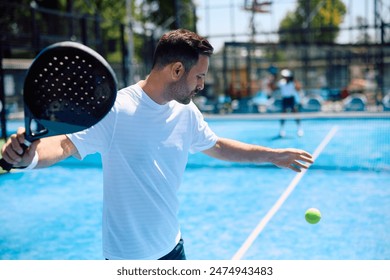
{"points": [[286, 73]]}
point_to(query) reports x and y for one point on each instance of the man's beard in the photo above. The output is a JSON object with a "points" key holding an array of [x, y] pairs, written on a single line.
{"points": [[179, 92]]}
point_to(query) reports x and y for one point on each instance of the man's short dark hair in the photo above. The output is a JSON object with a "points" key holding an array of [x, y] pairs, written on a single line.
{"points": [[180, 45]]}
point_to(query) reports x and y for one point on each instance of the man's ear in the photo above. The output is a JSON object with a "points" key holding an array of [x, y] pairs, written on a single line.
{"points": [[177, 70]]}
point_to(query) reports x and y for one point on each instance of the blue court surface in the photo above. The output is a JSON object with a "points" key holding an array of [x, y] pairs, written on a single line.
{"points": [[228, 210]]}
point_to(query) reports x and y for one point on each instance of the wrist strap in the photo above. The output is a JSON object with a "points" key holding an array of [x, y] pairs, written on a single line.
{"points": [[34, 162]]}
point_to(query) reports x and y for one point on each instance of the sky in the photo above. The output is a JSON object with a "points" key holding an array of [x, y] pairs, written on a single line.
{"points": [[219, 19]]}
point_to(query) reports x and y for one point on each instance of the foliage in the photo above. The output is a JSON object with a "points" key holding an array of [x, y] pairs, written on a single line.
{"points": [[152, 14], [314, 21], [162, 13], [150, 19]]}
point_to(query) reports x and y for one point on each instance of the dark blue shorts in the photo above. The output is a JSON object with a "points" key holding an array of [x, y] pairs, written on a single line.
{"points": [[288, 103], [177, 253]]}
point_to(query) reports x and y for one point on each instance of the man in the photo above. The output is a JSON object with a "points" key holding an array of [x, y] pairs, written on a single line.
{"points": [[144, 142], [289, 90]]}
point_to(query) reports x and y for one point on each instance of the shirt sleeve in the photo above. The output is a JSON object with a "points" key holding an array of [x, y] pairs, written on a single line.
{"points": [[96, 139], [203, 137]]}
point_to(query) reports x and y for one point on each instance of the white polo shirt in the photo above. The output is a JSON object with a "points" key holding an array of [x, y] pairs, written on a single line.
{"points": [[144, 148]]}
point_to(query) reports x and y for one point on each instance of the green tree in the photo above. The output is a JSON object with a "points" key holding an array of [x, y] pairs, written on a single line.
{"points": [[168, 14], [150, 19], [148, 16], [313, 21], [112, 15]]}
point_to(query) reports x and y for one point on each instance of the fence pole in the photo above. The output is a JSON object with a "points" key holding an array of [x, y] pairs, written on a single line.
{"points": [[2, 97]]}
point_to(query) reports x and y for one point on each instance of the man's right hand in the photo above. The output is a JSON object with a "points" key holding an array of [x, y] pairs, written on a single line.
{"points": [[13, 151]]}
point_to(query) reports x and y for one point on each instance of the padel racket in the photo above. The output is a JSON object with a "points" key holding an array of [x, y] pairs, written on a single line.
{"points": [[69, 87]]}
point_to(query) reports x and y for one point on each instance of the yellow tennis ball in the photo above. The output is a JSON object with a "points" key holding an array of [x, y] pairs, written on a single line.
{"points": [[312, 215]]}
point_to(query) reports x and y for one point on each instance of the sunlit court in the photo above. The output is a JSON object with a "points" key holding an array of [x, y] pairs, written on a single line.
{"points": [[55, 213], [311, 75]]}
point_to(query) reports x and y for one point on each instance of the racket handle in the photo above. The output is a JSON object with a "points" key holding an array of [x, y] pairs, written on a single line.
{"points": [[5, 165], [8, 166]]}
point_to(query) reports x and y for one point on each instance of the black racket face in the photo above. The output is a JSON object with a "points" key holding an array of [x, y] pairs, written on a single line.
{"points": [[69, 87]]}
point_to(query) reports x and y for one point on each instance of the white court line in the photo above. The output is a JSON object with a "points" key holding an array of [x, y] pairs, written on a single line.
{"points": [[259, 228]]}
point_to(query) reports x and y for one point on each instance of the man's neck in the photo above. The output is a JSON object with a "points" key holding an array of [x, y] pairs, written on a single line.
{"points": [[152, 86]]}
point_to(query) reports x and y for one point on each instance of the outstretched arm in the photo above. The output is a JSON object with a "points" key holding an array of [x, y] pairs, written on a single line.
{"points": [[50, 150], [236, 151]]}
